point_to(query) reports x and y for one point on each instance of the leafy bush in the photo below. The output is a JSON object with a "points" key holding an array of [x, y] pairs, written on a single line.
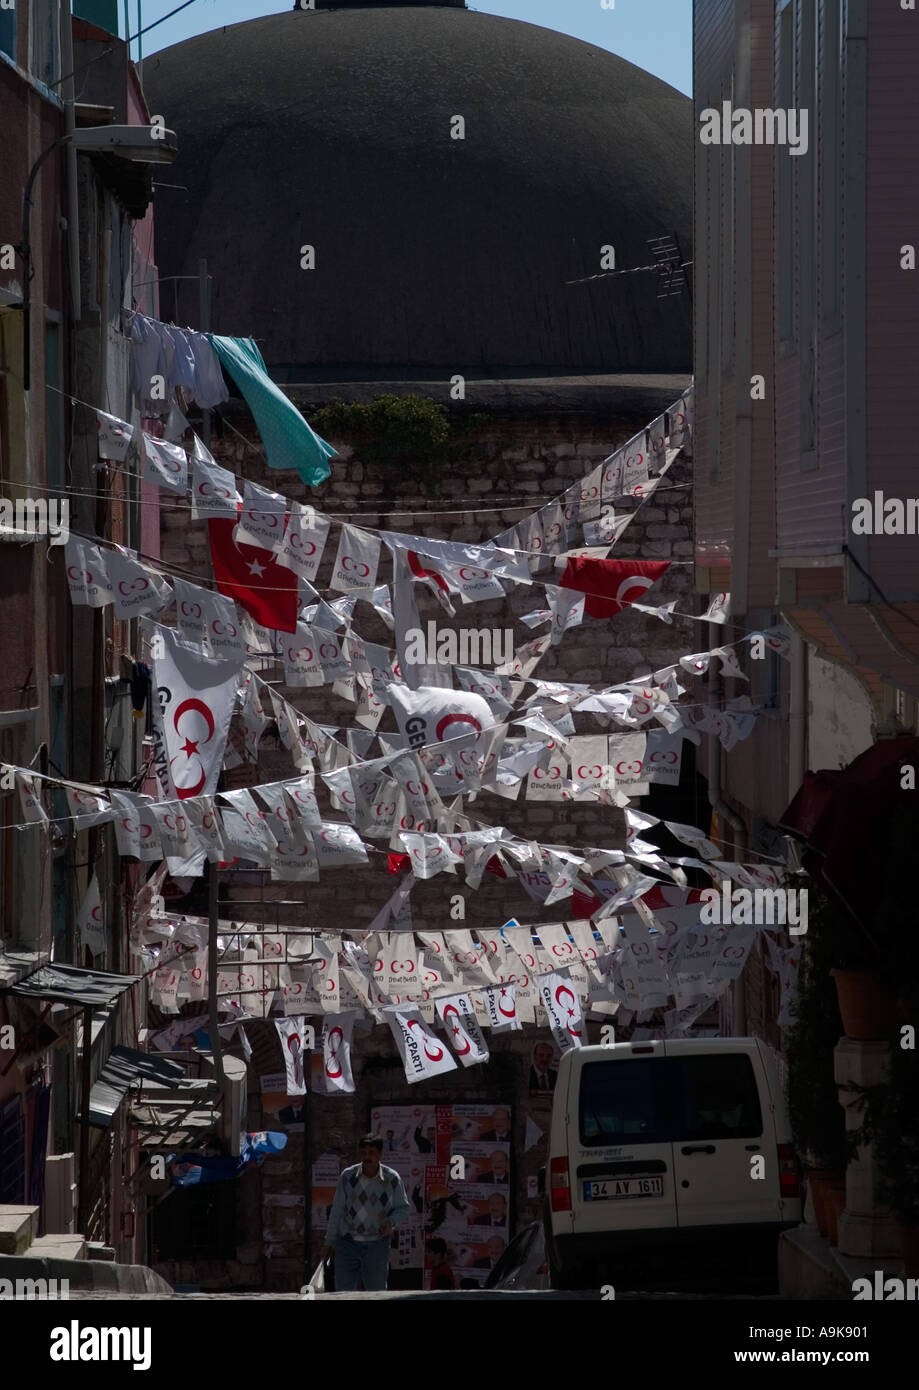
{"points": [[405, 433]]}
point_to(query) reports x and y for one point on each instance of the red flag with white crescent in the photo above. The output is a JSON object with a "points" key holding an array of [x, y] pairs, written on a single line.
{"points": [[251, 576], [611, 585]]}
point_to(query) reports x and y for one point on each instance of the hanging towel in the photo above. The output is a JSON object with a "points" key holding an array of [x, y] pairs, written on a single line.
{"points": [[209, 389], [289, 441]]}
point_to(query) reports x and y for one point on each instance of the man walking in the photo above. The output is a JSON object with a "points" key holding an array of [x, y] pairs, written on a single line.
{"points": [[370, 1201]]}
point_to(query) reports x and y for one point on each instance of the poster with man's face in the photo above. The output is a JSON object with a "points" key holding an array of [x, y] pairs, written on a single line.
{"points": [[543, 1070], [485, 1163], [460, 1224]]}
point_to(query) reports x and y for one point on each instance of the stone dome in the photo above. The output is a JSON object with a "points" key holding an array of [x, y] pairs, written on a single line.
{"points": [[332, 128]]}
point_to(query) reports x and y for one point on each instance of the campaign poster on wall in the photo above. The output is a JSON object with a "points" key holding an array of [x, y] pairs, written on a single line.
{"points": [[455, 1161], [279, 1110], [326, 1172]]}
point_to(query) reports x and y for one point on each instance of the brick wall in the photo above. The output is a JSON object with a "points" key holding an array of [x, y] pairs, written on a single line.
{"points": [[511, 467]]}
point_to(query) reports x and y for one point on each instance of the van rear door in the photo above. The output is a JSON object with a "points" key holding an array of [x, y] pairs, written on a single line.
{"points": [[621, 1157], [723, 1125]]}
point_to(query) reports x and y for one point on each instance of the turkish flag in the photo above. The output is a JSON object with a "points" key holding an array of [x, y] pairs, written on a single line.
{"points": [[611, 585], [252, 577], [584, 905]]}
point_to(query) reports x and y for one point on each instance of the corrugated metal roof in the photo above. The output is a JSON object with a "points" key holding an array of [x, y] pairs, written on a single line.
{"points": [[124, 1066], [69, 984]]}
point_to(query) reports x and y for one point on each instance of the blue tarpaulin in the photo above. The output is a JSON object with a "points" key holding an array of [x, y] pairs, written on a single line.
{"points": [[185, 1173]]}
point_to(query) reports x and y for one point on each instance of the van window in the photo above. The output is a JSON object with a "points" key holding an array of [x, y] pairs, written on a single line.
{"points": [[625, 1102], [667, 1099], [718, 1098]]}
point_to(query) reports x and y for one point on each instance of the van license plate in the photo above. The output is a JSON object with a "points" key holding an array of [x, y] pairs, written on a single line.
{"points": [[623, 1187]]}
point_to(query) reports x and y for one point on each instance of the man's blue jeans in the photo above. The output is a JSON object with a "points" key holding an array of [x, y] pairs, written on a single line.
{"points": [[368, 1259]]}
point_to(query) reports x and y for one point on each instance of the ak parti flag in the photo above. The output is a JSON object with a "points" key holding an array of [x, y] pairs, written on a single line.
{"points": [[611, 585], [251, 576]]}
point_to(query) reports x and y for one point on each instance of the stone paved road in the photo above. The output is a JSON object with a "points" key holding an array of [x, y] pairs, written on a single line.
{"points": [[546, 1295]]}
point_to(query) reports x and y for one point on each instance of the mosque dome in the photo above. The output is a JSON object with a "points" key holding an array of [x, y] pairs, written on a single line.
{"points": [[338, 128]]}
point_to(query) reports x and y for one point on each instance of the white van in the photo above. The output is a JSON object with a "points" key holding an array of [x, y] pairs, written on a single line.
{"points": [[665, 1150]]}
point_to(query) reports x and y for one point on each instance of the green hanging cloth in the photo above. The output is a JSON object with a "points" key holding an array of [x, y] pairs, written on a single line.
{"points": [[289, 442]]}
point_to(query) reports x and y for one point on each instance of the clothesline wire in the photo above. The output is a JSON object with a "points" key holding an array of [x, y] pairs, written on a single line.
{"points": [[374, 849], [525, 503]]}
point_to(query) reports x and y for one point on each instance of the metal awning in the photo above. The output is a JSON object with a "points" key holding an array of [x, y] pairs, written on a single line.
{"points": [[124, 1066], [69, 984]]}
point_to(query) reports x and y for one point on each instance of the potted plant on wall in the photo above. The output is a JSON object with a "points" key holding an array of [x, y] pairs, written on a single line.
{"points": [[818, 1120]]}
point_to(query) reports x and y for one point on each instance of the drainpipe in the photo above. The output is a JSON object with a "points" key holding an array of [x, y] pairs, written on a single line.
{"points": [[70, 155], [725, 812], [797, 742]]}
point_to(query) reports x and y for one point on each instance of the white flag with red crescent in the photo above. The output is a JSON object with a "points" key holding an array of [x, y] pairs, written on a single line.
{"points": [[263, 517], [115, 436], [91, 918], [30, 799], [501, 1007], [355, 568], [87, 575], [664, 757], [259, 829], [164, 464], [336, 1053], [423, 1054], [290, 1032], [213, 489], [304, 540], [325, 975], [507, 564], [562, 1006], [135, 831], [457, 1015], [87, 809], [401, 964], [190, 611], [563, 952], [429, 854], [177, 833], [434, 714], [196, 697], [205, 821], [136, 588]]}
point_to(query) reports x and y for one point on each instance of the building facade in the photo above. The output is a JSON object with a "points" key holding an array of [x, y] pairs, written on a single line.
{"points": [[67, 672], [806, 204]]}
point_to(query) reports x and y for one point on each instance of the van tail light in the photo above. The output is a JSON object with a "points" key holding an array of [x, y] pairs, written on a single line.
{"points": [[789, 1173], [559, 1185]]}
